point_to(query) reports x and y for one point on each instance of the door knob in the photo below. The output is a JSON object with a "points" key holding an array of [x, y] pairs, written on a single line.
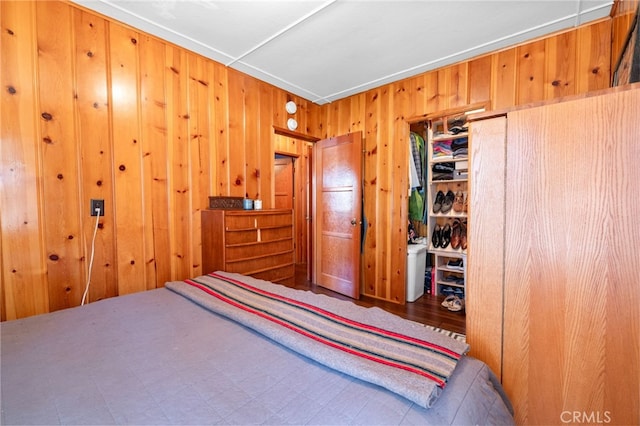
{"points": [[354, 222]]}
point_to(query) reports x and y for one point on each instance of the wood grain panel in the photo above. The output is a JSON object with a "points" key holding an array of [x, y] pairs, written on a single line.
{"points": [[221, 135], [278, 111], [531, 71], [485, 268], [155, 159], [417, 96], [379, 218], [200, 83], [92, 109], [252, 142], [504, 75], [265, 140], [24, 290], [304, 214], [370, 188], [566, 267], [61, 188], [593, 71], [457, 78], [480, 79], [399, 200], [435, 86], [237, 138], [179, 186], [384, 171], [127, 145], [356, 114], [560, 65]]}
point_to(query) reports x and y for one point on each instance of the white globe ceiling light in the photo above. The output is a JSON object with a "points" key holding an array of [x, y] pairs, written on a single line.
{"points": [[292, 124]]}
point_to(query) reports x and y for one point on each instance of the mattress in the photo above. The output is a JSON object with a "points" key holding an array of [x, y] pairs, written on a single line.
{"points": [[159, 357]]}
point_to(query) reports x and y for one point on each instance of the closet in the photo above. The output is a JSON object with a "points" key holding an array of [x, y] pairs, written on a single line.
{"points": [[554, 308], [444, 191]]}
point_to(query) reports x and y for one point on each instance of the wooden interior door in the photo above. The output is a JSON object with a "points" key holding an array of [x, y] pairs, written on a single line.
{"points": [[284, 182], [337, 197]]}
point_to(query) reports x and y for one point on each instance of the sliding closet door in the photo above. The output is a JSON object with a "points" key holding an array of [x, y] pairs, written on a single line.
{"points": [[572, 268], [485, 255]]}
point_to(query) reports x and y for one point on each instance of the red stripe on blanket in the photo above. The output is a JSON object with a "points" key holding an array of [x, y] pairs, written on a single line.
{"points": [[339, 318]]}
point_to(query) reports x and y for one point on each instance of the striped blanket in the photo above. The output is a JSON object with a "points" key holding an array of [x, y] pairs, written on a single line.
{"points": [[367, 343]]}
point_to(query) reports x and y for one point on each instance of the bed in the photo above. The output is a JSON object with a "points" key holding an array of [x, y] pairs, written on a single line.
{"points": [[228, 349]]}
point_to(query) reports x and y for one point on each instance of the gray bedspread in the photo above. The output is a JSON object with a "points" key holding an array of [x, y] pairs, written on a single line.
{"points": [[158, 358]]}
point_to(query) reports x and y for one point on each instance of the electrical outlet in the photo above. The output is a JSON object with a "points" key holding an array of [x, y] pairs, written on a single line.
{"points": [[97, 204]]}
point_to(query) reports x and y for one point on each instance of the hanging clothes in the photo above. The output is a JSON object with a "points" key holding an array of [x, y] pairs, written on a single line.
{"points": [[416, 177], [417, 152], [416, 205]]}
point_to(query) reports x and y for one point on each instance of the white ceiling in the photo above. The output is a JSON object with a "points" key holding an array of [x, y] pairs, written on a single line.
{"points": [[323, 50]]}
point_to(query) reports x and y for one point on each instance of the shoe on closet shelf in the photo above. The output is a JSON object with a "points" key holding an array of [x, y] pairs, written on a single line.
{"points": [[455, 264], [447, 203], [456, 234], [447, 291], [458, 202], [445, 236], [463, 235], [437, 236], [437, 203]]}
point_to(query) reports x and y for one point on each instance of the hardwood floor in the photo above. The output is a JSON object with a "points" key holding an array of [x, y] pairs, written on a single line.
{"points": [[426, 309]]}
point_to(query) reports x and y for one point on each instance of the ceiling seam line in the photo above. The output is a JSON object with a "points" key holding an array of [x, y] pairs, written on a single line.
{"points": [[578, 8], [309, 93], [282, 31]]}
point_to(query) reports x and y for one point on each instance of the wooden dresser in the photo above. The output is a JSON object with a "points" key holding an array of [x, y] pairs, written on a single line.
{"points": [[250, 242]]}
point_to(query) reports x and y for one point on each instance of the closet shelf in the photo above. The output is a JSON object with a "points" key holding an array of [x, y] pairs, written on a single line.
{"points": [[449, 137]]}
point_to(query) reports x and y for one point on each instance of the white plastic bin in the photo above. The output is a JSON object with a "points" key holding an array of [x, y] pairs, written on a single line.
{"points": [[416, 264]]}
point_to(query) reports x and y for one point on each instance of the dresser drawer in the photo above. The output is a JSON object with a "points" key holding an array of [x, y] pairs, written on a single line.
{"points": [[274, 234], [275, 220], [233, 222], [255, 250], [259, 264], [241, 237]]}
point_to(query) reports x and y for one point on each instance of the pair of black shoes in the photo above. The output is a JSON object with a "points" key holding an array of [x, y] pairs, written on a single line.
{"points": [[443, 202], [441, 236]]}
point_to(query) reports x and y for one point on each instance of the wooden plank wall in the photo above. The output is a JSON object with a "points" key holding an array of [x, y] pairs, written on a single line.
{"points": [[99, 110], [567, 63], [623, 13], [95, 109]]}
